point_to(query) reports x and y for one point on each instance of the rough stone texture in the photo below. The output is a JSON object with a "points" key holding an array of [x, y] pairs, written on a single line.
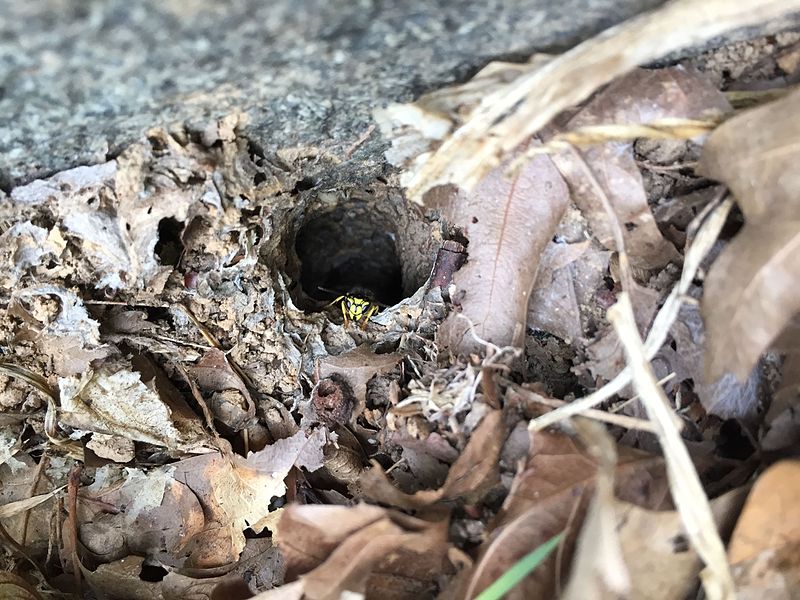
{"points": [[80, 80]]}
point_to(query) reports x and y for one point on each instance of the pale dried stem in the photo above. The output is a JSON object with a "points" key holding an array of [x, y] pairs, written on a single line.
{"points": [[597, 415], [684, 483], [663, 129]]}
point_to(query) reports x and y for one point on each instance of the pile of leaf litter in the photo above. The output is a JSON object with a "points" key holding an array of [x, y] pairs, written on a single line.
{"points": [[588, 340]]}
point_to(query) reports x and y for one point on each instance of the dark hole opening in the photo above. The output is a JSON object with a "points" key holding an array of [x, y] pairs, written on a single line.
{"points": [[152, 573], [350, 249], [169, 246]]}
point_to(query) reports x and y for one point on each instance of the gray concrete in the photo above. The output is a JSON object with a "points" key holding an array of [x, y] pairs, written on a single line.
{"points": [[80, 79]]}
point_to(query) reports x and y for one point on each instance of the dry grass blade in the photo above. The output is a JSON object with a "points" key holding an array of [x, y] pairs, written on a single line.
{"points": [[687, 491], [14, 508], [599, 563], [706, 236], [664, 129], [518, 110], [29, 377], [73, 448], [749, 98]]}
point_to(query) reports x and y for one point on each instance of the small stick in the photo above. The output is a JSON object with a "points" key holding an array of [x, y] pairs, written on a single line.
{"points": [[72, 520], [449, 259], [593, 413]]}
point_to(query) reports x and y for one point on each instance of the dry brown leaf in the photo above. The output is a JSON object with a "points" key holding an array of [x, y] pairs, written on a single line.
{"points": [[508, 223], [568, 277], [765, 547], [121, 579], [753, 153], [659, 560], [554, 306], [230, 401], [152, 502], [199, 506], [771, 516], [357, 367], [751, 292], [550, 494], [260, 565], [362, 549], [13, 587], [470, 475], [640, 97]]}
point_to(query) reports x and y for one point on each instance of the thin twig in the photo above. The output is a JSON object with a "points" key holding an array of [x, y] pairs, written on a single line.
{"points": [[598, 415], [72, 520]]}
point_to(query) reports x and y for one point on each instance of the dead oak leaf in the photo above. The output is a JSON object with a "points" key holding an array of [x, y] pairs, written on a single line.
{"points": [[508, 223], [362, 549], [470, 475], [236, 492], [553, 491], [116, 401], [643, 96], [751, 292]]}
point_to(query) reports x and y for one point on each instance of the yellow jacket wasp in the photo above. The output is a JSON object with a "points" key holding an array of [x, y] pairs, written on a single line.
{"points": [[357, 306]]}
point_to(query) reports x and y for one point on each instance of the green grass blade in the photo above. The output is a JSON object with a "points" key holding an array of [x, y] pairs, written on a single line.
{"points": [[519, 571]]}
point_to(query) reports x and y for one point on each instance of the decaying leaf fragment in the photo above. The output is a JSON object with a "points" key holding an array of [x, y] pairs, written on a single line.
{"points": [[56, 319], [362, 549], [508, 223], [116, 401], [110, 214], [357, 367], [470, 475], [199, 506], [230, 401], [751, 291]]}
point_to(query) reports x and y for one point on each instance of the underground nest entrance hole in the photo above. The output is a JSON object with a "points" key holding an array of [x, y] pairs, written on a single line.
{"points": [[369, 244]]}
